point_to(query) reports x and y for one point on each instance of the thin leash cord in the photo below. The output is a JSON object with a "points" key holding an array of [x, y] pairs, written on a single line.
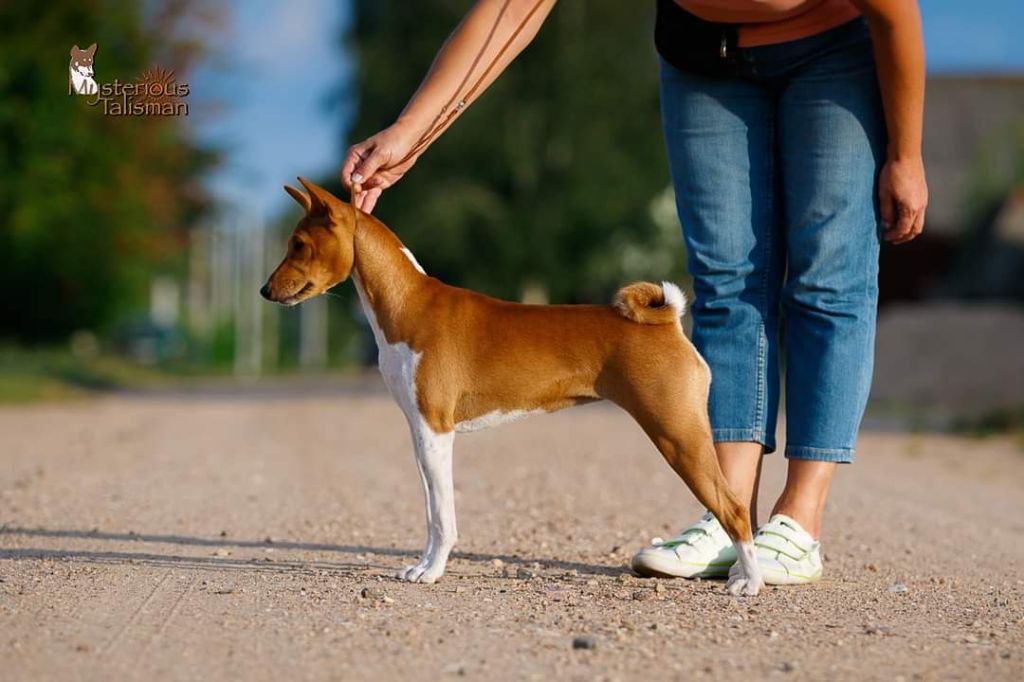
{"points": [[456, 105], [449, 112], [469, 72]]}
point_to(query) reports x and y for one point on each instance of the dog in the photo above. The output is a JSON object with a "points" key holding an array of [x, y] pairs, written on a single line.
{"points": [[80, 78], [455, 361]]}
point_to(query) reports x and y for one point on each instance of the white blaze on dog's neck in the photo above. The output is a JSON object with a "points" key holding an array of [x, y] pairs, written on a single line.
{"points": [[397, 362], [412, 259]]}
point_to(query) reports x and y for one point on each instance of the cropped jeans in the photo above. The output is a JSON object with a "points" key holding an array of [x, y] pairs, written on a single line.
{"points": [[775, 174]]}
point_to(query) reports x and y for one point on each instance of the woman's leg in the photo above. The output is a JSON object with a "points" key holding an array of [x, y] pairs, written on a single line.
{"points": [[741, 465], [803, 498], [719, 135], [831, 141]]}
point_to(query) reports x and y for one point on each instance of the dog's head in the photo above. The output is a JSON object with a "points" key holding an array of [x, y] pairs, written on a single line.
{"points": [[321, 249], [81, 60]]}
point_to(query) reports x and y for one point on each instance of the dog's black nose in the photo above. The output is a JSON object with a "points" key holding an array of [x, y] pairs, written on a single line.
{"points": [[265, 292]]}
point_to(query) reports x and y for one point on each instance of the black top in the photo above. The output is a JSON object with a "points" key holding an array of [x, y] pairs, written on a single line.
{"points": [[692, 44]]}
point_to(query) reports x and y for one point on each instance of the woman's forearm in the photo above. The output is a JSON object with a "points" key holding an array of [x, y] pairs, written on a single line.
{"points": [[899, 51], [471, 48]]}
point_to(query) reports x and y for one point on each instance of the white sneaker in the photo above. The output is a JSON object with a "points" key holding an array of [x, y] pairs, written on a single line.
{"points": [[786, 553], [703, 550]]}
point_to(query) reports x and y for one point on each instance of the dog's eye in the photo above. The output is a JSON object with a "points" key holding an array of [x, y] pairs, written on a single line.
{"points": [[298, 248]]}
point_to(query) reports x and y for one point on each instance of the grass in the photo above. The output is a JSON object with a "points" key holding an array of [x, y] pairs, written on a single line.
{"points": [[996, 422], [43, 374], [49, 374]]}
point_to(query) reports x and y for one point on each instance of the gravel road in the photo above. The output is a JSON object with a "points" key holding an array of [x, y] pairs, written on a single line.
{"points": [[254, 536]]}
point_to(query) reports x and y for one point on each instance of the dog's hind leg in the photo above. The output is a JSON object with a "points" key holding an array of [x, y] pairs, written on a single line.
{"points": [[434, 458], [673, 413], [692, 456]]}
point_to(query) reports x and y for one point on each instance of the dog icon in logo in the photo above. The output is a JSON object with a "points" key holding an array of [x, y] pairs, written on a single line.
{"points": [[81, 80]]}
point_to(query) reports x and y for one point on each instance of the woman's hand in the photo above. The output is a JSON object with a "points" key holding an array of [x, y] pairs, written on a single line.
{"points": [[373, 164], [902, 199]]}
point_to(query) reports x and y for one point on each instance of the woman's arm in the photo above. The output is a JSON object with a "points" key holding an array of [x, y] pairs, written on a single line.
{"points": [[899, 52], [471, 48]]}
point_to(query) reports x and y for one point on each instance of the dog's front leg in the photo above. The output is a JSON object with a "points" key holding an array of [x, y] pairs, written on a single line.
{"points": [[409, 572], [434, 459]]}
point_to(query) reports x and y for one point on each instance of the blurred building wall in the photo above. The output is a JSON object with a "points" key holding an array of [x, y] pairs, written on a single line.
{"points": [[965, 117]]}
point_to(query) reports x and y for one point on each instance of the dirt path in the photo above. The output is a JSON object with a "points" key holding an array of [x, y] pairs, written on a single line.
{"points": [[229, 537]]}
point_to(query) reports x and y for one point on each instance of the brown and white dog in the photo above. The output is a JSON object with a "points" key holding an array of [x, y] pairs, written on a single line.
{"points": [[80, 71], [456, 360]]}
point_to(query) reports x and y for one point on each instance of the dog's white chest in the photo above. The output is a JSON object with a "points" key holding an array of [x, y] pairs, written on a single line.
{"points": [[396, 361]]}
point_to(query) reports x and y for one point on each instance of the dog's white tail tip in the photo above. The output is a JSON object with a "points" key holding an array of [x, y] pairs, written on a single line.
{"points": [[674, 297]]}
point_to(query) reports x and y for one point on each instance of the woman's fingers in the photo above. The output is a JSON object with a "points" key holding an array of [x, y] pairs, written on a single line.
{"points": [[918, 223], [366, 166], [369, 163], [904, 223], [362, 162], [355, 154], [886, 207], [369, 199], [902, 200], [377, 180], [917, 226]]}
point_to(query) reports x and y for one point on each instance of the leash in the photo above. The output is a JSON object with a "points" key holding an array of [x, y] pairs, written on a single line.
{"points": [[456, 105]]}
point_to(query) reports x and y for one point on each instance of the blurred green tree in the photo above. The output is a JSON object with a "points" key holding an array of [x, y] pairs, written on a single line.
{"points": [[549, 180], [90, 205]]}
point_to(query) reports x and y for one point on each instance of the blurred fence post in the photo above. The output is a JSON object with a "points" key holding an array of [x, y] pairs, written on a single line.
{"points": [[197, 291], [248, 315]]}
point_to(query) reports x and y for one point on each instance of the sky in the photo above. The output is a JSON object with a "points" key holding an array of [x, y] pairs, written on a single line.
{"points": [[280, 63], [267, 95]]}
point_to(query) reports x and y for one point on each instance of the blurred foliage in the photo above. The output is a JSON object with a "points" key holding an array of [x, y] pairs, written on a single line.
{"points": [[90, 205], [44, 374], [547, 181], [996, 170], [993, 423]]}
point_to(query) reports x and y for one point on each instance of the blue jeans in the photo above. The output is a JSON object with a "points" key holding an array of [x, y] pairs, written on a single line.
{"points": [[775, 174]]}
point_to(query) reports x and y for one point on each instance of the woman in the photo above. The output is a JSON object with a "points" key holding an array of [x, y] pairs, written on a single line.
{"points": [[782, 166]]}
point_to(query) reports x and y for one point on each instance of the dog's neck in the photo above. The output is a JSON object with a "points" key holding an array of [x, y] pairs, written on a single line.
{"points": [[387, 278]]}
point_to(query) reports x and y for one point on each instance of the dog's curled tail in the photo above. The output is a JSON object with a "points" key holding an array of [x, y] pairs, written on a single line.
{"points": [[648, 303]]}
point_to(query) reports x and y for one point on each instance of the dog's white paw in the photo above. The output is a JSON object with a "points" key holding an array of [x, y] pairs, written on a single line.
{"points": [[423, 572], [431, 575], [411, 573], [742, 586], [745, 578]]}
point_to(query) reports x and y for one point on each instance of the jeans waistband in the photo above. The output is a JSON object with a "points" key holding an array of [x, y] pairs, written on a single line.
{"points": [[778, 58]]}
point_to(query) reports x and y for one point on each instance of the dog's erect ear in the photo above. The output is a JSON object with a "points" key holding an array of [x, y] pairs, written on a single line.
{"points": [[322, 201], [303, 200], [75, 49], [91, 50]]}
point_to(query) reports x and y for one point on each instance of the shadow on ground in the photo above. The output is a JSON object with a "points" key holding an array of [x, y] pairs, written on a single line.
{"points": [[265, 564]]}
